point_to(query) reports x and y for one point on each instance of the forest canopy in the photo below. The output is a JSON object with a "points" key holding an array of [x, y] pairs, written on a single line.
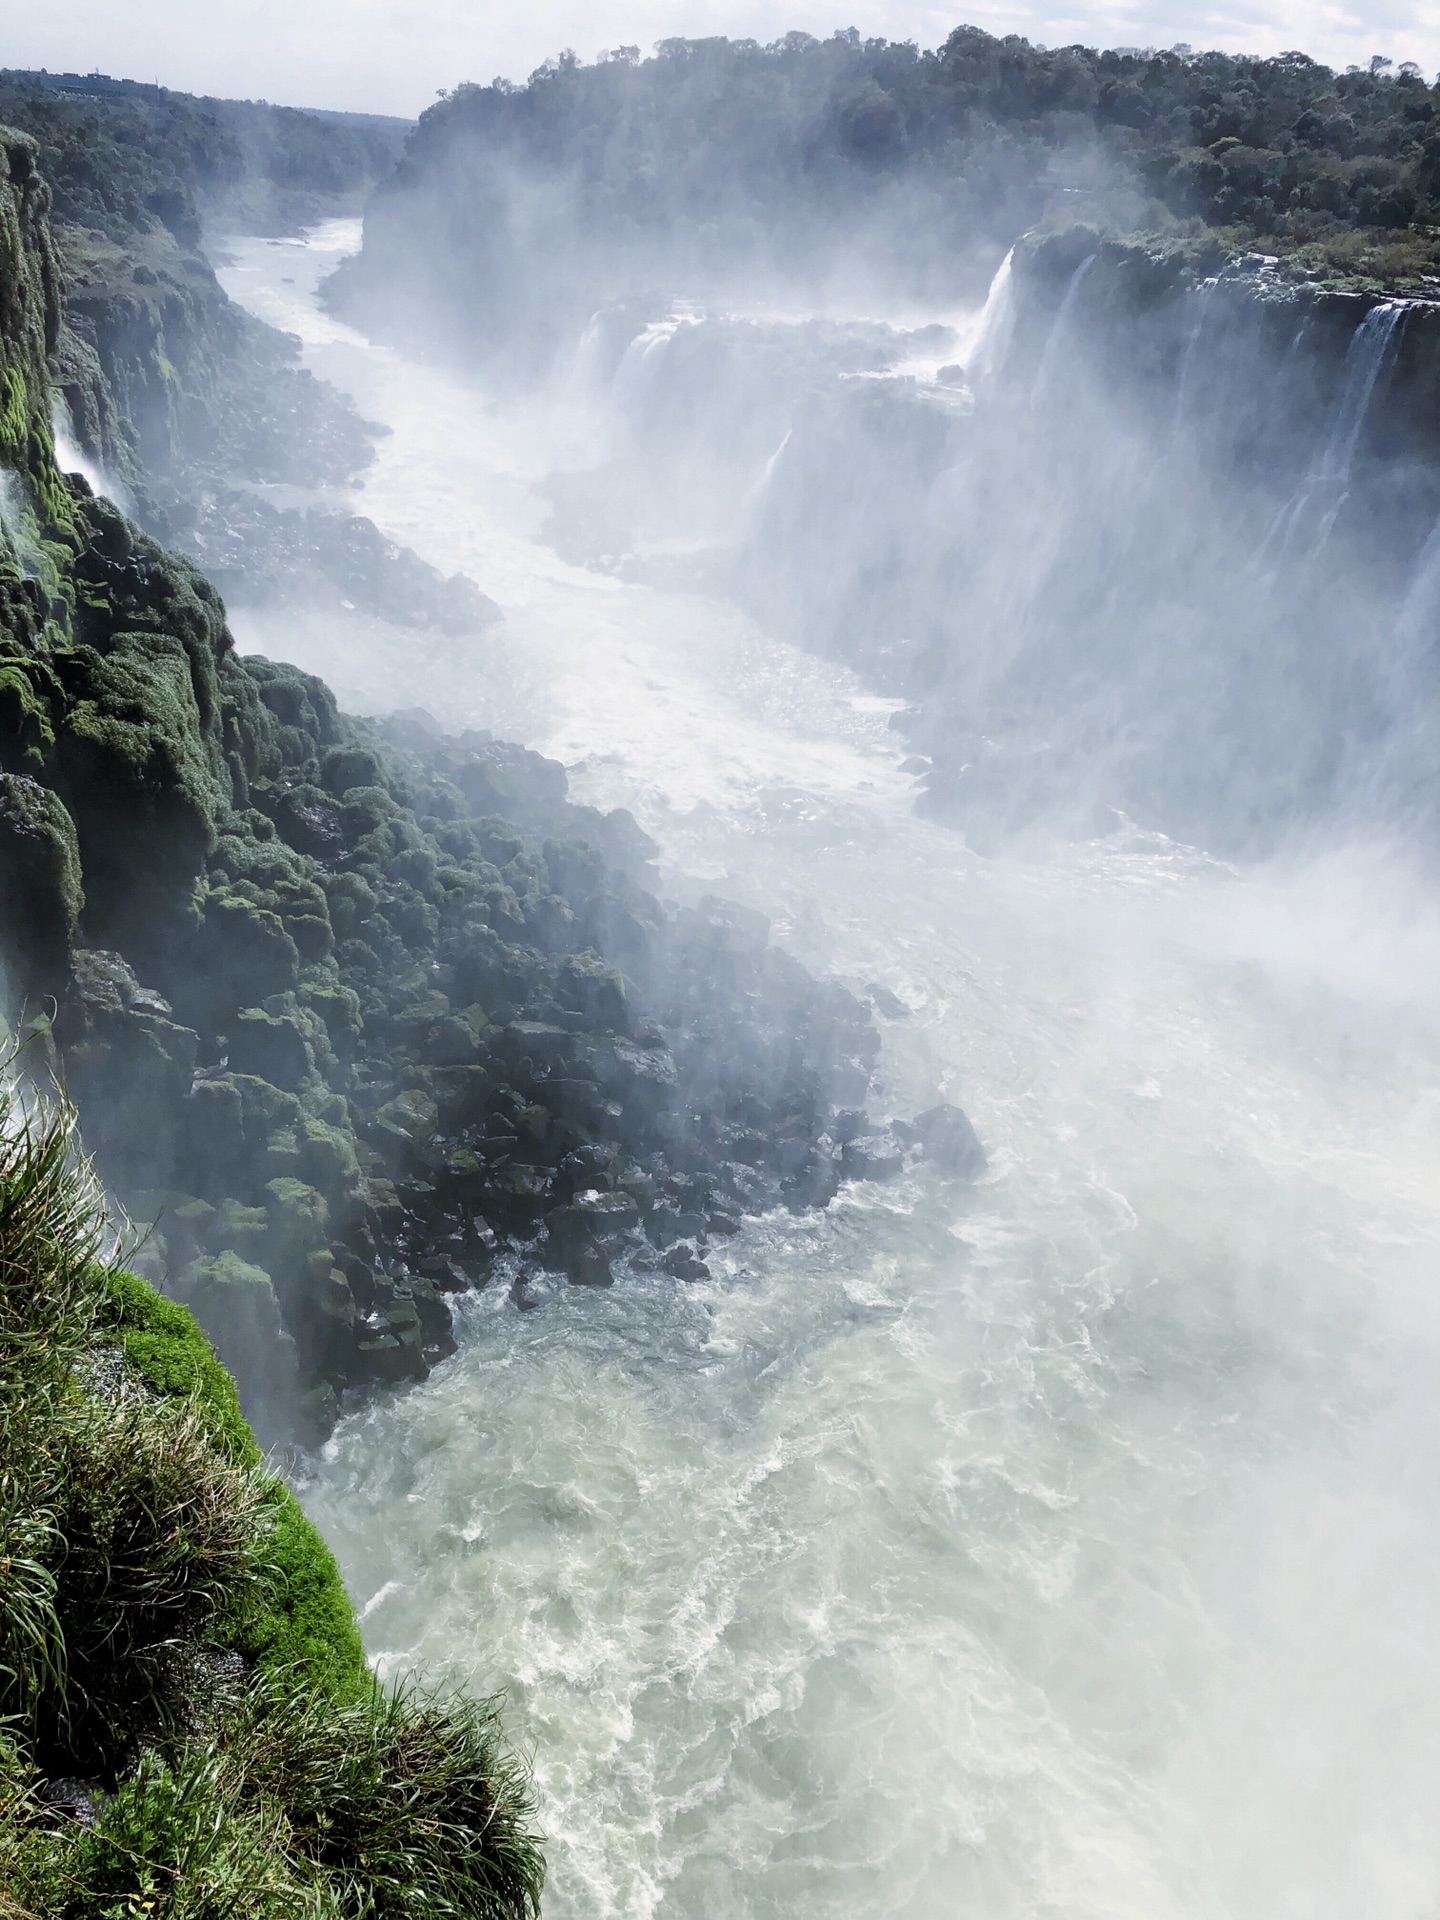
{"points": [[1281, 146]]}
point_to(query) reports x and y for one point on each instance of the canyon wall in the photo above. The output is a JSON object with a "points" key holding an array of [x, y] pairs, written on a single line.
{"points": [[354, 1016]]}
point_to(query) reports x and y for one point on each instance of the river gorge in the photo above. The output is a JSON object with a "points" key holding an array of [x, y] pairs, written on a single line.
{"points": [[1056, 1544]]}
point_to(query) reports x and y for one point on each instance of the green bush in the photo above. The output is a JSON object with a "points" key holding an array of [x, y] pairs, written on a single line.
{"points": [[50, 1233], [301, 1620], [395, 1808], [401, 1801], [143, 1547]]}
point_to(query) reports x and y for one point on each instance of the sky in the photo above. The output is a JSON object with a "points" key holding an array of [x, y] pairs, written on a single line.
{"points": [[378, 56]]}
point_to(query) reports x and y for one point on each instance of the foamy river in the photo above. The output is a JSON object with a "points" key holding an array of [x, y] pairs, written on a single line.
{"points": [[1068, 1545]]}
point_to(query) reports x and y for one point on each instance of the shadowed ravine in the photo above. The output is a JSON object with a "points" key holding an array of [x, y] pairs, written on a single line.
{"points": [[1060, 1545]]}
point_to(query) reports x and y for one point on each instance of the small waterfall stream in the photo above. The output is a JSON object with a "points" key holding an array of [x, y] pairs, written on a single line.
{"points": [[1307, 520], [1059, 339]]}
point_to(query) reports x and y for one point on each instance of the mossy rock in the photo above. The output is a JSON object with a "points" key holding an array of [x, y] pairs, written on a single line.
{"points": [[138, 772], [271, 1047], [299, 1223], [241, 953], [304, 1623], [39, 878], [234, 1301], [30, 697]]}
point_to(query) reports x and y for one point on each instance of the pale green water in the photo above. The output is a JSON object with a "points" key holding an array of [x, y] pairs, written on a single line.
{"points": [[1066, 1546]]}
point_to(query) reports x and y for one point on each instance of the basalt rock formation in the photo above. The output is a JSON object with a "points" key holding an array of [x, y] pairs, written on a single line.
{"points": [[353, 1016]]}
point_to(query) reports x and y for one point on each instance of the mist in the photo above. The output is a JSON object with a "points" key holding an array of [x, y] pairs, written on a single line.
{"points": [[890, 603], [1039, 634]]}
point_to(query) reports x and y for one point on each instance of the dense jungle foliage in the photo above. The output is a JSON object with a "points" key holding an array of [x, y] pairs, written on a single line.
{"points": [[123, 157], [1282, 149]]}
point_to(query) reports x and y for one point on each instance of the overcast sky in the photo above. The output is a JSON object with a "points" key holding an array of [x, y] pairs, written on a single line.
{"points": [[383, 57]]}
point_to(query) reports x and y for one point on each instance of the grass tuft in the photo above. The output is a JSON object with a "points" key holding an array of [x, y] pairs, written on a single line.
{"points": [[174, 1632]]}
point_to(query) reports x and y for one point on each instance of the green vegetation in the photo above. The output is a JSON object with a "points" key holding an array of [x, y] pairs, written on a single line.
{"points": [[124, 157], [719, 163], [187, 1727]]}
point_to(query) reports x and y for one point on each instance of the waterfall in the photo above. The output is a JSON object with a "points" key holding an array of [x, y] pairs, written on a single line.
{"points": [[1187, 361], [1326, 486], [1063, 1544], [1369, 352], [643, 354], [10, 521], [71, 458], [1418, 624], [759, 486], [586, 367], [1059, 332], [995, 325]]}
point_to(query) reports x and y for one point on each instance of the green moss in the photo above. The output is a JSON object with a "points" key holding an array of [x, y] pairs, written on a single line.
{"points": [[304, 1622], [136, 742], [14, 418], [161, 1340], [311, 1630], [27, 732], [39, 879]]}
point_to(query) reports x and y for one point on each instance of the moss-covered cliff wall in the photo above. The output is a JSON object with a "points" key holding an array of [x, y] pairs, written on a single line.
{"points": [[354, 1017]]}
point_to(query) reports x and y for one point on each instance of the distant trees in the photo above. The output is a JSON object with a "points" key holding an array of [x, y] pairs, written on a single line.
{"points": [[1283, 146], [126, 156]]}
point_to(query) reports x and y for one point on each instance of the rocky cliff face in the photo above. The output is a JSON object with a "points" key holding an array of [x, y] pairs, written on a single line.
{"points": [[354, 1018]]}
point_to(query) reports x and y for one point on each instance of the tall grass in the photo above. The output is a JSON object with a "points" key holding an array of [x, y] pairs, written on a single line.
{"points": [[52, 1230], [142, 1542]]}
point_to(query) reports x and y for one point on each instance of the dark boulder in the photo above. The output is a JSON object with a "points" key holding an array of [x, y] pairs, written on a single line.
{"points": [[39, 880], [949, 1141]]}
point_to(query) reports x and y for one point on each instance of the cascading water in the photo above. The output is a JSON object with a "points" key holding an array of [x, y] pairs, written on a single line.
{"points": [[646, 349], [995, 325], [1184, 385], [1058, 341], [1061, 1546], [1315, 508], [1369, 352]]}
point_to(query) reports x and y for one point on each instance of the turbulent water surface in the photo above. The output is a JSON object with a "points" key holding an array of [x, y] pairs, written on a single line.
{"points": [[1060, 1546]]}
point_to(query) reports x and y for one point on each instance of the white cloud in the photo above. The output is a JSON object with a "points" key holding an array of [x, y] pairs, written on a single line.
{"points": [[381, 56]]}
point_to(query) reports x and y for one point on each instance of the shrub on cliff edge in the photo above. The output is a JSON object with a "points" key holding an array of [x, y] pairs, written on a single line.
{"points": [[187, 1726]]}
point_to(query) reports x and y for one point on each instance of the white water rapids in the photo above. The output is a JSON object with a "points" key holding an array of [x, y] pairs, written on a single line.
{"points": [[1065, 1546]]}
